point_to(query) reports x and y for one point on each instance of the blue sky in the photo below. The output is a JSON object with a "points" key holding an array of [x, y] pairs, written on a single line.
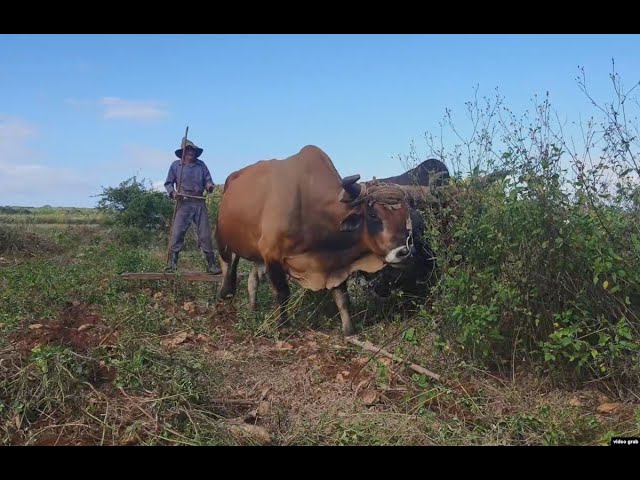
{"points": [[78, 112]]}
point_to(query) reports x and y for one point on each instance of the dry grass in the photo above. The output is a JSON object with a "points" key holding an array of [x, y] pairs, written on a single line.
{"points": [[117, 363]]}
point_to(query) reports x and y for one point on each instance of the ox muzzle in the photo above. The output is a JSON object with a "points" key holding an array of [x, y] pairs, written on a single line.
{"points": [[399, 255]]}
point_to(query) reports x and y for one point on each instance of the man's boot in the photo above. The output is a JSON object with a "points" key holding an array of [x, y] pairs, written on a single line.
{"points": [[212, 264], [172, 262]]}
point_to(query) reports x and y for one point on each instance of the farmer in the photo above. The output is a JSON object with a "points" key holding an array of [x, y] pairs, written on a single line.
{"points": [[195, 180]]}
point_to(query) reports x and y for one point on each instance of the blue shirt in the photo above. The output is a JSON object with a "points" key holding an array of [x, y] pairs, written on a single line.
{"points": [[195, 177]]}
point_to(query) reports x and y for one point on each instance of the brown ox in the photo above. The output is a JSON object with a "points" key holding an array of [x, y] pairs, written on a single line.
{"points": [[419, 184], [297, 217]]}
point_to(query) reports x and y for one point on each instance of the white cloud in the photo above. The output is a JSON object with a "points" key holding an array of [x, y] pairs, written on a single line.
{"points": [[143, 156], [140, 160], [22, 167], [41, 178], [74, 102], [116, 108], [14, 129]]}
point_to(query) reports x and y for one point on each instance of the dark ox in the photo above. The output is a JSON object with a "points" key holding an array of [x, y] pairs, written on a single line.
{"points": [[298, 218], [430, 173], [414, 274]]}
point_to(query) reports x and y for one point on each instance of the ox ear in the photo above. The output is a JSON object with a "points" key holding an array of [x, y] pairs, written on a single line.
{"points": [[351, 188], [351, 223]]}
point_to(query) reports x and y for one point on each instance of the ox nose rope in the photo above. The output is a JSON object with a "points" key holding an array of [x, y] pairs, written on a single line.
{"points": [[409, 242]]}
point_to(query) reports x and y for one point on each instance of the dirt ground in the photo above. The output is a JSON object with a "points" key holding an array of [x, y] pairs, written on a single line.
{"points": [[310, 387]]}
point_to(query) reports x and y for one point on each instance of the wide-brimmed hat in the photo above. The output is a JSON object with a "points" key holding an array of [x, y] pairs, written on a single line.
{"points": [[189, 144]]}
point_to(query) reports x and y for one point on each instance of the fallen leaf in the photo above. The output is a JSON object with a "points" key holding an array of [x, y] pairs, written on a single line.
{"points": [[575, 402], [175, 340], [340, 378], [189, 307], [157, 295], [385, 361], [75, 303], [255, 432], [283, 346], [608, 407], [361, 384], [128, 439], [264, 408], [345, 373], [84, 327], [369, 397], [35, 326]]}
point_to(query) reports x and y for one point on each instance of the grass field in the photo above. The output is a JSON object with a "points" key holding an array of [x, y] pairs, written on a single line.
{"points": [[50, 215], [89, 359]]}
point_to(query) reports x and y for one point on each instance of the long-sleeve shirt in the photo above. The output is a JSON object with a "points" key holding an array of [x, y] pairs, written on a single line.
{"points": [[195, 178]]}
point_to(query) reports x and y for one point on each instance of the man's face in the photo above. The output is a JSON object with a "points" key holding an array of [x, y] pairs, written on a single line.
{"points": [[189, 155]]}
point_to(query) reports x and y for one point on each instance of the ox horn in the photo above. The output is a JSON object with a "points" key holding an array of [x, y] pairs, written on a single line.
{"points": [[351, 187]]}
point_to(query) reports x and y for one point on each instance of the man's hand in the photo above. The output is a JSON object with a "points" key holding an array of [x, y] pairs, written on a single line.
{"points": [[210, 188], [172, 195]]}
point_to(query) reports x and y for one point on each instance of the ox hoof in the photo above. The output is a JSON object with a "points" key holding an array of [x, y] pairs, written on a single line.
{"points": [[227, 293]]}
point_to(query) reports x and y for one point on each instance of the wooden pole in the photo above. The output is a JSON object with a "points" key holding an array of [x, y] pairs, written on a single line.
{"points": [[370, 347], [175, 205]]}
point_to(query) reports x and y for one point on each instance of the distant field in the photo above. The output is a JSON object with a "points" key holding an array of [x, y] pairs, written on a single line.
{"points": [[50, 215]]}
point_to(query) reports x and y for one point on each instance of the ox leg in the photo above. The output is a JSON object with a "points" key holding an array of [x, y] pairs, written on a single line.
{"points": [[341, 297], [257, 271], [279, 281], [230, 277]]}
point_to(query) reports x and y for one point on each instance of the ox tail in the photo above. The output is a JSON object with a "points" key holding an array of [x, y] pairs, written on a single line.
{"points": [[223, 249], [229, 264]]}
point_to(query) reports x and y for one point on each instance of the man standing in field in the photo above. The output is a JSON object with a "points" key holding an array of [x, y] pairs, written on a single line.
{"points": [[191, 180]]}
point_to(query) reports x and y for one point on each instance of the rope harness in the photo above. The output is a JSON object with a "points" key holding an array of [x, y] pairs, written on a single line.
{"points": [[388, 195]]}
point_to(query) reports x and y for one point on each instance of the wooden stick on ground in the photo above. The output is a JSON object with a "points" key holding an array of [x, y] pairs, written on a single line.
{"points": [[370, 347], [188, 276], [233, 401]]}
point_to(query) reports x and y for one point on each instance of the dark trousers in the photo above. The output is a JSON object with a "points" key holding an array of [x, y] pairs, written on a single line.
{"points": [[189, 211]]}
